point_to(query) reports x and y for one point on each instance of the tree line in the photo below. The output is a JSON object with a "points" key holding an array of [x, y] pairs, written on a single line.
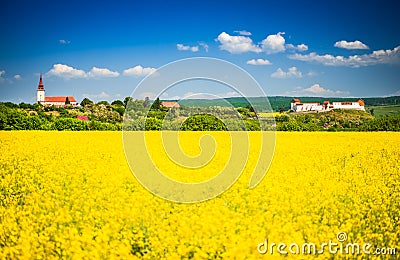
{"points": [[147, 115]]}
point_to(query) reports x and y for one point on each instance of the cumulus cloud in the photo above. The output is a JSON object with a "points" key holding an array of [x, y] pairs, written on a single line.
{"points": [[317, 90], [204, 45], [237, 44], [68, 72], [101, 95], [138, 71], [355, 61], [65, 71], [356, 45], [182, 47], [64, 41], [300, 47], [102, 72], [17, 76], [259, 62], [274, 43], [243, 32], [291, 73]]}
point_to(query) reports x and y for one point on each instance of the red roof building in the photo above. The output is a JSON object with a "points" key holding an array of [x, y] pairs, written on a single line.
{"points": [[58, 101], [170, 104]]}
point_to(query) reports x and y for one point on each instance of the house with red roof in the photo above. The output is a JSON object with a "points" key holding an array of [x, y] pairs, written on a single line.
{"points": [[170, 104], [57, 101]]}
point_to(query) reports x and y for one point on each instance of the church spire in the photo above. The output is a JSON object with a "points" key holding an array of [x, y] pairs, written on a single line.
{"points": [[41, 85]]}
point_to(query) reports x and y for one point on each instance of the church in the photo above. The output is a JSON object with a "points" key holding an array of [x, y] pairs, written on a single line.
{"points": [[57, 101]]}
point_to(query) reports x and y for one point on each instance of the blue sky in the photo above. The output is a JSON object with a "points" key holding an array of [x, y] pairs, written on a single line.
{"points": [[103, 49]]}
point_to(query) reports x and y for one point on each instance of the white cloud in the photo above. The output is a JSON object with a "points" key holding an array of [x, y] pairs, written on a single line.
{"points": [[317, 90], [182, 47], [17, 76], [64, 41], [68, 72], [102, 72], [259, 62], [65, 71], [312, 73], [2, 72], [291, 73], [356, 45], [204, 45], [300, 47], [230, 94], [138, 71], [397, 93], [236, 44], [101, 95], [355, 61], [243, 32], [274, 43]]}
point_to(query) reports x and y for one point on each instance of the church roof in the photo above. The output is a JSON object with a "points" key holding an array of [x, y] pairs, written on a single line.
{"points": [[170, 104], [41, 85], [59, 99]]}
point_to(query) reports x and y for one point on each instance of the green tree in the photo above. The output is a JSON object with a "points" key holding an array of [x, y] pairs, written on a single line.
{"points": [[203, 122], [157, 104], [251, 108], [67, 102], [117, 103], [103, 102], [25, 105], [146, 102], [127, 100], [86, 102], [372, 111]]}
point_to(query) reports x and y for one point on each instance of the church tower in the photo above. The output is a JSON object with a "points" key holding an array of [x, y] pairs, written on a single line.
{"points": [[40, 91]]}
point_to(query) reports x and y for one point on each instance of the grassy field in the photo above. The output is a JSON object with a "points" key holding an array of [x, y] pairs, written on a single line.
{"points": [[385, 110], [72, 195]]}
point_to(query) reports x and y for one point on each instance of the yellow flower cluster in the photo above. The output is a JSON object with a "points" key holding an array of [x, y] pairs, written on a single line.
{"points": [[72, 195]]}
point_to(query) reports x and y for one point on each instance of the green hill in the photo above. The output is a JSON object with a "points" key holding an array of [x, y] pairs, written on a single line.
{"points": [[384, 110], [278, 102]]}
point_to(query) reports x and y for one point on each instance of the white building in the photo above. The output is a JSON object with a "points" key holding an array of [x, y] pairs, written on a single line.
{"points": [[297, 106], [58, 101]]}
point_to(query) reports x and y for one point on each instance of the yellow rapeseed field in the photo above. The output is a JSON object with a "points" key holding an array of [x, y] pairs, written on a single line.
{"points": [[72, 195]]}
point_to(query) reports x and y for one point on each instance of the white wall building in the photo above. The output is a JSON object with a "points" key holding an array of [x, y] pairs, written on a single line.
{"points": [[297, 106], [58, 101]]}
